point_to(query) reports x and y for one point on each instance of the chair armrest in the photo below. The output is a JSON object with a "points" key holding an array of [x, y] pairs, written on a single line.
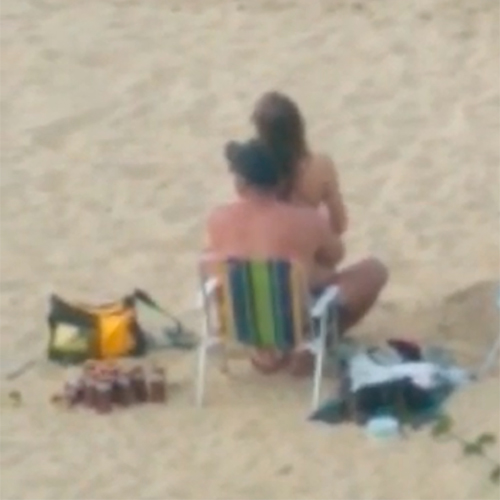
{"points": [[207, 291], [324, 301]]}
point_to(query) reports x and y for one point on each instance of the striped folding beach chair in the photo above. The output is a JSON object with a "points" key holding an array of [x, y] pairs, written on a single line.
{"points": [[264, 304]]}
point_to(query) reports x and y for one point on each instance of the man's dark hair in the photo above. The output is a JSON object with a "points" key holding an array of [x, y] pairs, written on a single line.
{"points": [[254, 164]]}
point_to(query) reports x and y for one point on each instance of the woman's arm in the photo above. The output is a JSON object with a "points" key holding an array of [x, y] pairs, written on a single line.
{"points": [[330, 248], [329, 253], [332, 198]]}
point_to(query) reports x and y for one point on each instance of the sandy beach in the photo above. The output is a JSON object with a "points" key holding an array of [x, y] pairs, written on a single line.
{"points": [[114, 114]]}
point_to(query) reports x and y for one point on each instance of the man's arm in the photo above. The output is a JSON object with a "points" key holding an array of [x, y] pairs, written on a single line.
{"points": [[332, 198]]}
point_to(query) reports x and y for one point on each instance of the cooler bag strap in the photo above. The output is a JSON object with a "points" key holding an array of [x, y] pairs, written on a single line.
{"points": [[177, 337]]}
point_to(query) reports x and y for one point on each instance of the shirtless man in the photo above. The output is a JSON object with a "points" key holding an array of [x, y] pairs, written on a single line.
{"points": [[261, 225]]}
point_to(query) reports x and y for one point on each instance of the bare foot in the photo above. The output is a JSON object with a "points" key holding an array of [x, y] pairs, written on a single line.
{"points": [[302, 364], [269, 362]]}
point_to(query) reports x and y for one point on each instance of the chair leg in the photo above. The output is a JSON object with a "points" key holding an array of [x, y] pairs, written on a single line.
{"points": [[205, 344], [318, 368], [490, 359], [224, 360], [201, 372], [317, 379], [335, 341]]}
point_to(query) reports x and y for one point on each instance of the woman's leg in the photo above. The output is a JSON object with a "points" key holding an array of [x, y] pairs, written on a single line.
{"points": [[360, 285]]}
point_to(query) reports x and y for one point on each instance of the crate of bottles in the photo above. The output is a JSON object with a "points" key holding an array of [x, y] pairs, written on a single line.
{"points": [[105, 386]]}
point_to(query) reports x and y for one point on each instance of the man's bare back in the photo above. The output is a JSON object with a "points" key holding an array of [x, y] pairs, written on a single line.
{"points": [[260, 227]]}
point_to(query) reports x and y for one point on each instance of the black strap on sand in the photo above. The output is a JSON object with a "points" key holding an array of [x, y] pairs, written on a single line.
{"points": [[146, 299], [177, 337]]}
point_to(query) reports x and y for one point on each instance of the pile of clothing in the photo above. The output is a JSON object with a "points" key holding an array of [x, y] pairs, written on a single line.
{"points": [[399, 379]]}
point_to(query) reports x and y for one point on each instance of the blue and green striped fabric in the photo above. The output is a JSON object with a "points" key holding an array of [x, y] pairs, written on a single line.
{"points": [[262, 303]]}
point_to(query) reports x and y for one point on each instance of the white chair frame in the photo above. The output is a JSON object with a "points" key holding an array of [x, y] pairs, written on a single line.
{"points": [[318, 310]]}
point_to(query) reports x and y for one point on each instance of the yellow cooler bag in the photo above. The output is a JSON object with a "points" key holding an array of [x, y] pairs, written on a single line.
{"points": [[78, 332]]}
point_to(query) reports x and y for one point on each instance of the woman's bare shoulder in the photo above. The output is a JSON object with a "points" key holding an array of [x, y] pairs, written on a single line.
{"points": [[322, 160], [323, 165]]}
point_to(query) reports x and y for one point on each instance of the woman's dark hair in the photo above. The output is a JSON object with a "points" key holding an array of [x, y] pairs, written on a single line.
{"points": [[281, 128]]}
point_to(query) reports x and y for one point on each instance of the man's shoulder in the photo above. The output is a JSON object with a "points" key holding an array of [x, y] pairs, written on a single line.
{"points": [[223, 207], [300, 214], [218, 209], [222, 210], [303, 214]]}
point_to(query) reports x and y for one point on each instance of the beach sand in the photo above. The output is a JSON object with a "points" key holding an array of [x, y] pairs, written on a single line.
{"points": [[114, 115]]}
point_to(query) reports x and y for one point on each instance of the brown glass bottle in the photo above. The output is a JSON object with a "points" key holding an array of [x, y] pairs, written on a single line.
{"points": [[90, 367], [89, 391], [139, 385], [158, 386], [104, 399], [124, 391], [114, 375]]}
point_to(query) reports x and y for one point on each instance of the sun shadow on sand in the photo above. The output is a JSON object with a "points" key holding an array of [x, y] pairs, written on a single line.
{"points": [[53, 134], [466, 322], [471, 312], [469, 319]]}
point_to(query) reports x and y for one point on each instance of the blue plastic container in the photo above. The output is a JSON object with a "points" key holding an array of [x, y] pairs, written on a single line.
{"points": [[383, 427]]}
